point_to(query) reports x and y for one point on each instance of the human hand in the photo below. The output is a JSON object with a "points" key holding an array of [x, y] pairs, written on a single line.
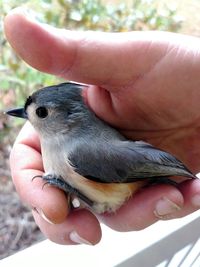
{"points": [[144, 83]]}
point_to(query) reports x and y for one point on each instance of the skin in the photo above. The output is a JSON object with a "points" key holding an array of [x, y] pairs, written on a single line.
{"points": [[144, 83]]}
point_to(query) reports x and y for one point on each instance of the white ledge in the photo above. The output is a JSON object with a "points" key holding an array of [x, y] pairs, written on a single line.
{"points": [[168, 243]]}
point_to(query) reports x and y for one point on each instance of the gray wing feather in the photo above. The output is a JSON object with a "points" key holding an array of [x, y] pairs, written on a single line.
{"points": [[124, 161]]}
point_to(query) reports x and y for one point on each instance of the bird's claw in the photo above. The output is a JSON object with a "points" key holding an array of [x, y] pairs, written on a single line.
{"points": [[58, 182]]}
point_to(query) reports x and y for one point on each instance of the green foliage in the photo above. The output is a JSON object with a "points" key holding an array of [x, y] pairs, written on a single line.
{"points": [[74, 14]]}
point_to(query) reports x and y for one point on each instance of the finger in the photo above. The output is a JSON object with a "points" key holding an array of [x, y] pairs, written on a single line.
{"points": [[28, 136], [104, 59], [88, 57], [159, 202], [191, 193], [26, 162], [72, 230]]}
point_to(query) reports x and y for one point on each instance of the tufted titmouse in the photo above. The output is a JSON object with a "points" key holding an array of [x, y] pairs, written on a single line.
{"points": [[84, 156]]}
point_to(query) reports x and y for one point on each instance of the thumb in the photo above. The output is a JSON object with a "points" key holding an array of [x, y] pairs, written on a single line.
{"points": [[103, 59]]}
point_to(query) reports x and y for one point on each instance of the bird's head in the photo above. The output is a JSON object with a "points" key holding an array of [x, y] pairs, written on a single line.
{"points": [[54, 109]]}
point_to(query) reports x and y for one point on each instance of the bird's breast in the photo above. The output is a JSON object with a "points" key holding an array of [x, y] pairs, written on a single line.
{"points": [[55, 159]]}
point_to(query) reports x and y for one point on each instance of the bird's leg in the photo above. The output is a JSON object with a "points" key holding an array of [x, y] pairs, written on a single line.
{"points": [[57, 181]]}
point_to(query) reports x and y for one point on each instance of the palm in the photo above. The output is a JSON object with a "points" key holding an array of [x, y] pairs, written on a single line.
{"points": [[161, 107], [173, 126]]}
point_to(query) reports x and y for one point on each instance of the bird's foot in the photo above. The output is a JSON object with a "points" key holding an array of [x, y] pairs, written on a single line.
{"points": [[75, 194]]}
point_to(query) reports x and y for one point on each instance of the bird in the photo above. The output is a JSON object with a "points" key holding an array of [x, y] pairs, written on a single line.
{"points": [[98, 167]]}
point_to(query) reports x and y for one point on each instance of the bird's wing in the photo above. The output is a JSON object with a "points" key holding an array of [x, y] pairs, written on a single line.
{"points": [[125, 162]]}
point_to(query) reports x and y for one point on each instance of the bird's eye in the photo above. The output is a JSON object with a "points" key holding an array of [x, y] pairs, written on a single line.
{"points": [[42, 112]]}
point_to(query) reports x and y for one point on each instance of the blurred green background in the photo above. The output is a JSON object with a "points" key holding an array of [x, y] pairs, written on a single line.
{"points": [[18, 80]]}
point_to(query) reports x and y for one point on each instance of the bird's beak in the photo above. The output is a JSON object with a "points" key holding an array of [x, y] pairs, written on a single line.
{"points": [[17, 112]]}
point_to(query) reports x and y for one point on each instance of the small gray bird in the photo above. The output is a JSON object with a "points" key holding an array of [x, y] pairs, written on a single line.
{"points": [[84, 156]]}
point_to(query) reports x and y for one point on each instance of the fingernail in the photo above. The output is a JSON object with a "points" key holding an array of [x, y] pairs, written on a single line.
{"points": [[41, 213], [27, 12], [165, 208], [196, 201], [76, 238]]}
